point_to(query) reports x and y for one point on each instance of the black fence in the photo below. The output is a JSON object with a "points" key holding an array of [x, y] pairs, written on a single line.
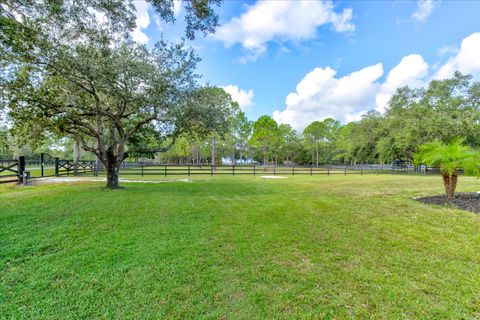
{"points": [[40, 165], [20, 170], [9, 171], [69, 167], [154, 169], [14, 171]]}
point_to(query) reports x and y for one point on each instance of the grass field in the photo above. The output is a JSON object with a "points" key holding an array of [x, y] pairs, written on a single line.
{"points": [[322, 247]]}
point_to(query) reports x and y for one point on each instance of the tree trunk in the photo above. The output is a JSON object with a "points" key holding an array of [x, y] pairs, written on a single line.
{"points": [[112, 177], [113, 158], [112, 166], [450, 183], [97, 166], [76, 156], [213, 151]]}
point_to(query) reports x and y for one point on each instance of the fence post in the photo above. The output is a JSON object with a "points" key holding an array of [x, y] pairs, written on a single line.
{"points": [[96, 167], [57, 164], [142, 170], [211, 170], [253, 169], [165, 170], [345, 171], [273, 170], [311, 170], [41, 163], [361, 172], [328, 171], [233, 170], [21, 169], [189, 170], [425, 171], [293, 170]]}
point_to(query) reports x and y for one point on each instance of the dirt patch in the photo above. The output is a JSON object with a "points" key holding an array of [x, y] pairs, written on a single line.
{"points": [[463, 201], [273, 177]]}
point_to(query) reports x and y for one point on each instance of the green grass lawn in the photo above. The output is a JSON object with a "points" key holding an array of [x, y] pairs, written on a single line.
{"points": [[239, 248]]}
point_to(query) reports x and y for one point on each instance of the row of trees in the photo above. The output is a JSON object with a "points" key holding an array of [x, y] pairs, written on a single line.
{"points": [[442, 111], [71, 75]]}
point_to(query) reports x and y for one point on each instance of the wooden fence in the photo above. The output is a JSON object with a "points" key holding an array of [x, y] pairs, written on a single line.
{"points": [[68, 167], [8, 171], [13, 171], [142, 169], [18, 170]]}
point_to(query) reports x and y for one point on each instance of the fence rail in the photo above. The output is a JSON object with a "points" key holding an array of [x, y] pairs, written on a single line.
{"points": [[67, 167], [8, 171], [20, 170], [146, 169], [13, 171]]}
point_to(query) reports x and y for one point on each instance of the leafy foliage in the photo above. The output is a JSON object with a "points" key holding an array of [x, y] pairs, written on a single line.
{"points": [[72, 70], [265, 136], [449, 157]]}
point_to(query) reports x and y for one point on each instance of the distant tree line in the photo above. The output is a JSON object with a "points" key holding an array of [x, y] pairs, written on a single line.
{"points": [[442, 111]]}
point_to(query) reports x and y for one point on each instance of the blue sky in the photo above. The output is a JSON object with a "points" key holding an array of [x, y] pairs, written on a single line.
{"points": [[300, 61]]}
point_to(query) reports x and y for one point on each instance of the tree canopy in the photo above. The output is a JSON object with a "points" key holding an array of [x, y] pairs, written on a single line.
{"points": [[72, 70]]}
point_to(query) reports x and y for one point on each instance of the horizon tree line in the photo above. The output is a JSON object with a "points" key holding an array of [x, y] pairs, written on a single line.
{"points": [[442, 111]]}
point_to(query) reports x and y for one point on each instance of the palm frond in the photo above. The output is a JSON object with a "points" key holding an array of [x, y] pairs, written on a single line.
{"points": [[449, 157]]}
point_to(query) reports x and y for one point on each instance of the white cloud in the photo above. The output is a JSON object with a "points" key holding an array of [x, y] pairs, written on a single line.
{"points": [[467, 59], [356, 116], [244, 98], [281, 21], [423, 10], [142, 21], [158, 23], [177, 7], [321, 95], [447, 50], [408, 72]]}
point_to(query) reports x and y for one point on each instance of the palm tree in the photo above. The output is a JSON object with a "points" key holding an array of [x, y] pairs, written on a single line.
{"points": [[449, 158]]}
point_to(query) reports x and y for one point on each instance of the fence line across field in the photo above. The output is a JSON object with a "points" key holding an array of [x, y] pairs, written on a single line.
{"points": [[21, 170], [142, 169]]}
